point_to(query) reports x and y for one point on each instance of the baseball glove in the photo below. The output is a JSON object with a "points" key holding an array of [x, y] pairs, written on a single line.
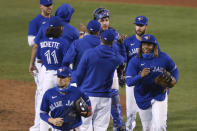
{"points": [[122, 38], [164, 79], [82, 107], [121, 75]]}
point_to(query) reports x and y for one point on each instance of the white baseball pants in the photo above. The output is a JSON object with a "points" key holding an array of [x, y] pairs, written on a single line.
{"points": [[49, 80], [37, 78], [155, 117], [100, 118], [131, 108]]}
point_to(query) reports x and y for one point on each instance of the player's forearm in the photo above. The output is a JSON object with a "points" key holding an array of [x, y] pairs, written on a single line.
{"points": [[45, 117], [175, 74], [33, 54], [131, 81]]}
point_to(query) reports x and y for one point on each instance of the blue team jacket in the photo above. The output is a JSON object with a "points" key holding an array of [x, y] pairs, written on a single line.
{"points": [[94, 74], [77, 49], [62, 105], [145, 88]]}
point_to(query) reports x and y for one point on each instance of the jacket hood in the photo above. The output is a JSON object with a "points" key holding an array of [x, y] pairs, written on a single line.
{"points": [[105, 51], [65, 12], [90, 38]]}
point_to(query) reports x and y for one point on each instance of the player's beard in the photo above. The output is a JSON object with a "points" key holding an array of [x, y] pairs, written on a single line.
{"points": [[139, 32], [47, 12]]}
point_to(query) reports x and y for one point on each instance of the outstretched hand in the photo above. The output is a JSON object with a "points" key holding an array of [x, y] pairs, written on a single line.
{"points": [[122, 38], [33, 70], [82, 30]]}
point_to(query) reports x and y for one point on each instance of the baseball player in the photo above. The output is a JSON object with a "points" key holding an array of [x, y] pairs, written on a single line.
{"points": [[46, 7], [70, 33], [151, 95], [102, 16], [58, 104], [51, 51], [79, 46], [94, 76], [132, 44]]}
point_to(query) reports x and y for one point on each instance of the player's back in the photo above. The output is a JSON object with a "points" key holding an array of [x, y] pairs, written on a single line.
{"points": [[101, 64], [52, 51], [82, 45]]}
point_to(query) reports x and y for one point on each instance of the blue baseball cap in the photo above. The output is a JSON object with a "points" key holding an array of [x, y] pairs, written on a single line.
{"points": [[55, 21], [141, 20], [94, 26], [108, 35], [148, 39], [64, 72], [46, 2]]}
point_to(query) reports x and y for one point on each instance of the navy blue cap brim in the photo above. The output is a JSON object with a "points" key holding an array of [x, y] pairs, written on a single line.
{"points": [[138, 23]]}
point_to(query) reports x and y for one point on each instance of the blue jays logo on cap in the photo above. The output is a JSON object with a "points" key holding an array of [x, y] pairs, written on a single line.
{"points": [[141, 20], [148, 39], [46, 2], [64, 72]]}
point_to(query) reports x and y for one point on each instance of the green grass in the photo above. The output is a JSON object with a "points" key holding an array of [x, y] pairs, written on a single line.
{"points": [[174, 28]]}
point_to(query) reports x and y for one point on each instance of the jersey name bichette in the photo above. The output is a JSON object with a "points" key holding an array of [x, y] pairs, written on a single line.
{"points": [[49, 44]]}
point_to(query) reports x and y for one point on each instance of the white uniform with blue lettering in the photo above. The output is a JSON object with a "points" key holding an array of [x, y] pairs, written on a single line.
{"points": [[131, 44], [34, 27], [51, 52]]}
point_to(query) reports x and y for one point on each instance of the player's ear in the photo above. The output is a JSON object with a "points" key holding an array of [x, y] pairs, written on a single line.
{"points": [[62, 27], [70, 78]]}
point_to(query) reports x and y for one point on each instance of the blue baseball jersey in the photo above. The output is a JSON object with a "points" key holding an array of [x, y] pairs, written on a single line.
{"points": [[77, 49], [132, 45], [145, 88], [51, 52], [36, 23], [94, 74], [59, 105], [120, 48], [69, 33]]}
